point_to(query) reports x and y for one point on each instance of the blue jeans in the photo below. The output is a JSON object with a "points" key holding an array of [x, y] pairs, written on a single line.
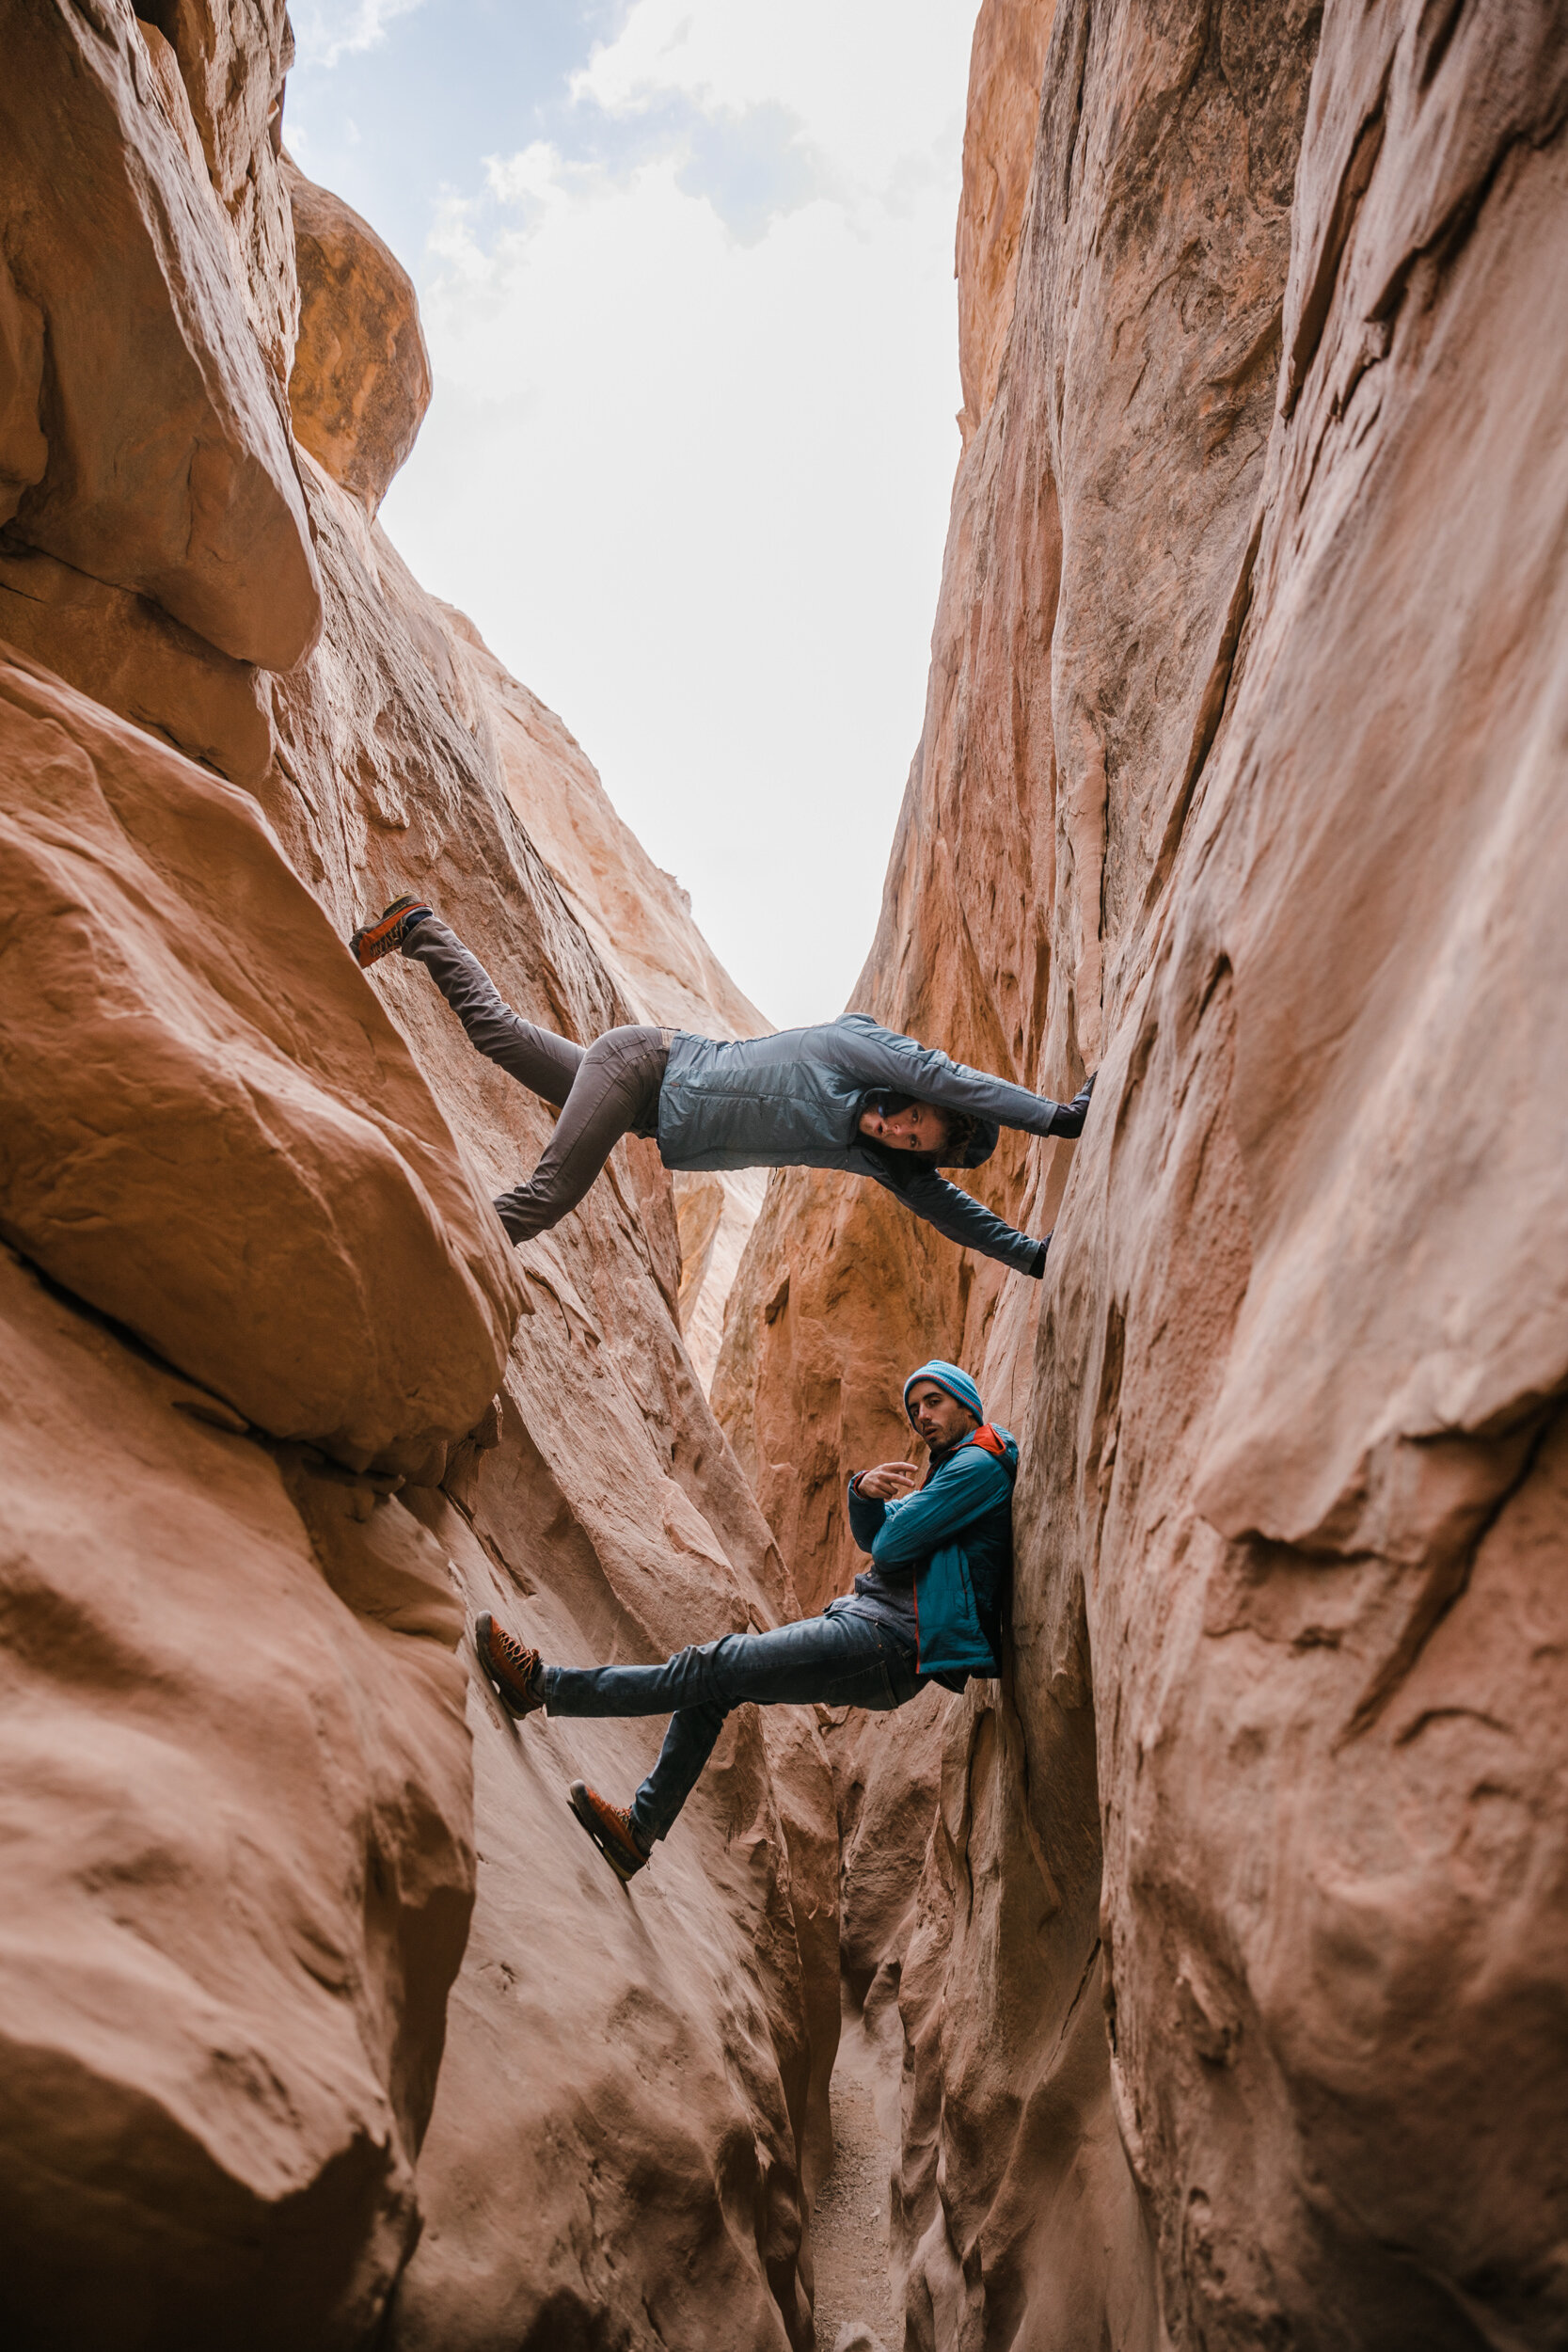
{"points": [[838, 1659]]}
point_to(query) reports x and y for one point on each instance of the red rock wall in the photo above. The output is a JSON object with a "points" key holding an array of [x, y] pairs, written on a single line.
{"points": [[302, 1954], [1223, 1939], [1231, 1995]]}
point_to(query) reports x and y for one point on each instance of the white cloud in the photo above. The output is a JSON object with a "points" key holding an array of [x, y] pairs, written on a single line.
{"points": [[327, 30], [871, 84], [692, 484]]}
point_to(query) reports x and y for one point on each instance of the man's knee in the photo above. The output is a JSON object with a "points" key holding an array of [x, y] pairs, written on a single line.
{"points": [[706, 1673], [615, 1046], [699, 1656]]}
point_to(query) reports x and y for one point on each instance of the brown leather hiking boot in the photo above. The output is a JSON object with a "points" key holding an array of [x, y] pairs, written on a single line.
{"points": [[372, 941], [609, 1827], [510, 1666]]}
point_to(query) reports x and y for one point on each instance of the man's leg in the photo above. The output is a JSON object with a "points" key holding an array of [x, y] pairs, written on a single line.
{"points": [[605, 1090], [838, 1660], [615, 1093], [545, 1063]]}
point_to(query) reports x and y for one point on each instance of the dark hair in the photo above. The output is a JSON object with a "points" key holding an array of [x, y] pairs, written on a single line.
{"points": [[963, 1129], [960, 1131]]}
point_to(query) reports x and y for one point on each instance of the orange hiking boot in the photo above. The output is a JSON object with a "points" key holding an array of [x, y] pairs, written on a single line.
{"points": [[512, 1669], [372, 941], [610, 1828]]}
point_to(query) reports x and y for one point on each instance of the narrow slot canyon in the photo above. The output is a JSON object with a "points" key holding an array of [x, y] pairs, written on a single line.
{"points": [[1199, 1983], [855, 2287]]}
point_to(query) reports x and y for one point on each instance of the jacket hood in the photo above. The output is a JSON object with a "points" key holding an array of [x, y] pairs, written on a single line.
{"points": [[997, 1440], [990, 1437], [982, 1143]]}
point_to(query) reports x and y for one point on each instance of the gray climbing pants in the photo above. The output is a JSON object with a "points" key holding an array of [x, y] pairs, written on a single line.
{"points": [[603, 1090]]}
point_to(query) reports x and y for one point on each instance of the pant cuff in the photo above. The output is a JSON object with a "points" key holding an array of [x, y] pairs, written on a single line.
{"points": [[515, 1226]]}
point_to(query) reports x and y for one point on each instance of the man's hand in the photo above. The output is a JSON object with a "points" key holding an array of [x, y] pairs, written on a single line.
{"points": [[1069, 1117], [887, 1481]]}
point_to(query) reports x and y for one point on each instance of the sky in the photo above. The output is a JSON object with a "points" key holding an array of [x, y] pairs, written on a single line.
{"points": [[686, 273]]}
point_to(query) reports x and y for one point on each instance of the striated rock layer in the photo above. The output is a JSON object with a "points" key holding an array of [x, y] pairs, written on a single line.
{"points": [[323, 2022], [1232, 1995]]}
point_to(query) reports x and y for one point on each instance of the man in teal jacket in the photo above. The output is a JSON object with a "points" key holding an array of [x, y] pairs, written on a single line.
{"points": [[941, 1553], [846, 1094], [929, 1607]]}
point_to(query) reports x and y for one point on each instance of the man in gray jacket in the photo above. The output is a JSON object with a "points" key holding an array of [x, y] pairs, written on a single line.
{"points": [[846, 1094]]}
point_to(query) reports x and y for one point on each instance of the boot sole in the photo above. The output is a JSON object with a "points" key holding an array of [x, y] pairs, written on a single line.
{"points": [[582, 1808]]}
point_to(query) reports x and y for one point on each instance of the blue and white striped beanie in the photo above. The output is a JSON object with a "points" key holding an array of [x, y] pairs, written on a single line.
{"points": [[953, 1379]]}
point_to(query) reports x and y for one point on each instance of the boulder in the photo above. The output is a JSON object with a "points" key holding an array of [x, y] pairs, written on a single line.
{"points": [[217, 1163], [361, 382]]}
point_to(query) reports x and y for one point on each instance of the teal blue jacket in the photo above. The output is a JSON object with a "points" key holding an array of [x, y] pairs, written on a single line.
{"points": [[795, 1099], [956, 1536]]}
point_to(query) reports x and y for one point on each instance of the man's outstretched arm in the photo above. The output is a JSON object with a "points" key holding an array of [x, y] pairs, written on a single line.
{"points": [[962, 1218], [880, 1057]]}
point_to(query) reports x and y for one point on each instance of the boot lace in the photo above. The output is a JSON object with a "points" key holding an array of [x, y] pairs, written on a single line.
{"points": [[513, 1652]]}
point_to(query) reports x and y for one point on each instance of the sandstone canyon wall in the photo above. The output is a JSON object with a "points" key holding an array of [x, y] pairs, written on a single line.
{"points": [[1223, 1942], [1218, 1948], [323, 2024]]}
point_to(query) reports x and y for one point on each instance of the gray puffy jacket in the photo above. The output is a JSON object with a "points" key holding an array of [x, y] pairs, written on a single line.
{"points": [[794, 1100]]}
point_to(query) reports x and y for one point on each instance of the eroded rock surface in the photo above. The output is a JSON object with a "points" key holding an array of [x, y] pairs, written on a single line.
{"points": [[217, 1161], [1231, 1999], [155, 550], [1007, 61], [239, 1858], [1220, 1945], [168, 469], [281, 1408]]}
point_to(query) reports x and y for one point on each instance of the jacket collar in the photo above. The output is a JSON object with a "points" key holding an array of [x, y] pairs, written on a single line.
{"points": [[990, 1440]]}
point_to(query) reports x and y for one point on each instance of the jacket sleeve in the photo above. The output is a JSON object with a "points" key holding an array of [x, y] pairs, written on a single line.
{"points": [[962, 1218], [876, 1056], [865, 1517], [965, 1489]]}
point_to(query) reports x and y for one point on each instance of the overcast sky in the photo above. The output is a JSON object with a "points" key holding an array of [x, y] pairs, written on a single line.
{"points": [[686, 269]]}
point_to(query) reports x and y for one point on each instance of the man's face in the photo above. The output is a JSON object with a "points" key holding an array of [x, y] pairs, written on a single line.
{"points": [[939, 1419], [920, 1127]]}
